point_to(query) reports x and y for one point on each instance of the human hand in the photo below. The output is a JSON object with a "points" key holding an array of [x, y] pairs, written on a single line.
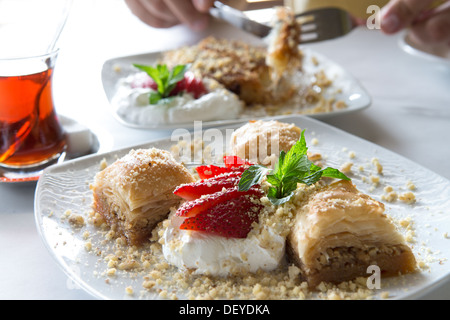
{"points": [[428, 26], [168, 13]]}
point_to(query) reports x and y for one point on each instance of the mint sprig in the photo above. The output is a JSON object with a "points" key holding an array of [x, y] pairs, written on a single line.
{"points": [[165, 79], [292, 168]]}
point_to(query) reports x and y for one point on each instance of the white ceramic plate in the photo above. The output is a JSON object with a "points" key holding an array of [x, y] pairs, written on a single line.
{"points": [[437, 54], [345, 87], [66, 187]]}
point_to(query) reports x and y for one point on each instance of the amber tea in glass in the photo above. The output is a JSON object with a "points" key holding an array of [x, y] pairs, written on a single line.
{"points": [[30, 133]]}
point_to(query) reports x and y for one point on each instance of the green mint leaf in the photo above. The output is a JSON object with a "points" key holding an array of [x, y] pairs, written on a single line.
{"points": [[314, 168], [152, 72], [327, 172], [155, 97], [272, 195], [147, 69], [292, 168], [297, 167], [169, 89], [299, 148], [177, 73], [295, 162], [279, 165], [277, 172], [273, 180], [312, 178], [288, 187], [334, 173], [165, 79], [252, 176]]}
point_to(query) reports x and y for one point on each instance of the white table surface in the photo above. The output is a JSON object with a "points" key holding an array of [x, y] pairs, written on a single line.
{"points": [[410, 115]]}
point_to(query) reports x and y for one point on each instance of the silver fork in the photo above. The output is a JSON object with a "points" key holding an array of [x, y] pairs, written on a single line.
{"points": [[317, 25]]}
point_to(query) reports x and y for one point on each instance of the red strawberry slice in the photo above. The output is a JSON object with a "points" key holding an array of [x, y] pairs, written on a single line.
{"points": [[179, 87], [188, 84], [232, 218], [194, 207], [235, 162], [232, 164], [209, 171], [215, 206], [193, 85], [195, 190]]}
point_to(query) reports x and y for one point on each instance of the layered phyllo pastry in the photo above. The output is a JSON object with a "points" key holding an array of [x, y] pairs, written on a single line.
{"points": [[136, 192], [259, 75], [261, 141], [283, 54], [240, 67], [339, 232]]}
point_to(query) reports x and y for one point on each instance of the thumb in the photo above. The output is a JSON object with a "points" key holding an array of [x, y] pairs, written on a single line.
{"points": [[399, 14]]}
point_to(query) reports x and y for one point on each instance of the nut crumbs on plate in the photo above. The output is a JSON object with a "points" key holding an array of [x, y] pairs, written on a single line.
{"points": [[123, 260]]}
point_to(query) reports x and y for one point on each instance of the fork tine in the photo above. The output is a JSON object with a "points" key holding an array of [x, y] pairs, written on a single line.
{"points": [[324, 24], [317, 25]]}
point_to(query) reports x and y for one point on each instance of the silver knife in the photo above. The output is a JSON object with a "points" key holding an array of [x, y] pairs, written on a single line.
{"points": [[238, 19]]}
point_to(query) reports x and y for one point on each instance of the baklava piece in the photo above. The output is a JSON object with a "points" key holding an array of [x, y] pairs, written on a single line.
{"points": [[340, 232], [136, 192], [261, 141], [238, 66], [283, 53], [258, 74]]}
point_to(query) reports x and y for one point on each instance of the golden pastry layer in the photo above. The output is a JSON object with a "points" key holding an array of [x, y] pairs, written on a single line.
{"points": [[259, 75], [340, 232], [259, 140], [283, 54], [136, 192], [240, 67]]}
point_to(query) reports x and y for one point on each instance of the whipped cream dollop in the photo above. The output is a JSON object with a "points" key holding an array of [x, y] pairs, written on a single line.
{"points": [[220, 256], [132, 104]]}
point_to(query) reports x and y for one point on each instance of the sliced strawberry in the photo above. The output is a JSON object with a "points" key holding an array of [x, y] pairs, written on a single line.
{"points": [[188, 84], [228, 175], [194, 207], [179, 87], [232, 218], [209, 171], [195, 190], [194, 86], [215, 205], [235, 162]]}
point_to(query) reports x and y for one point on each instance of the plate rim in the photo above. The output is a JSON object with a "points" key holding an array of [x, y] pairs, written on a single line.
{"points": [[416, 52]]}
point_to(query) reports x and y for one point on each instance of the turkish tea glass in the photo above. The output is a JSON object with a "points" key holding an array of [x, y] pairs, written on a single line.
{"points": [[30, 132]]}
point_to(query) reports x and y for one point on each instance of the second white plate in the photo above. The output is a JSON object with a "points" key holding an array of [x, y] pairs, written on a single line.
{"points": [[344, 87]]}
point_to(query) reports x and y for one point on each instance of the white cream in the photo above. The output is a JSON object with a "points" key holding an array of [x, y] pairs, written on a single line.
{"points": [[132, 105], [219, 256]]}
